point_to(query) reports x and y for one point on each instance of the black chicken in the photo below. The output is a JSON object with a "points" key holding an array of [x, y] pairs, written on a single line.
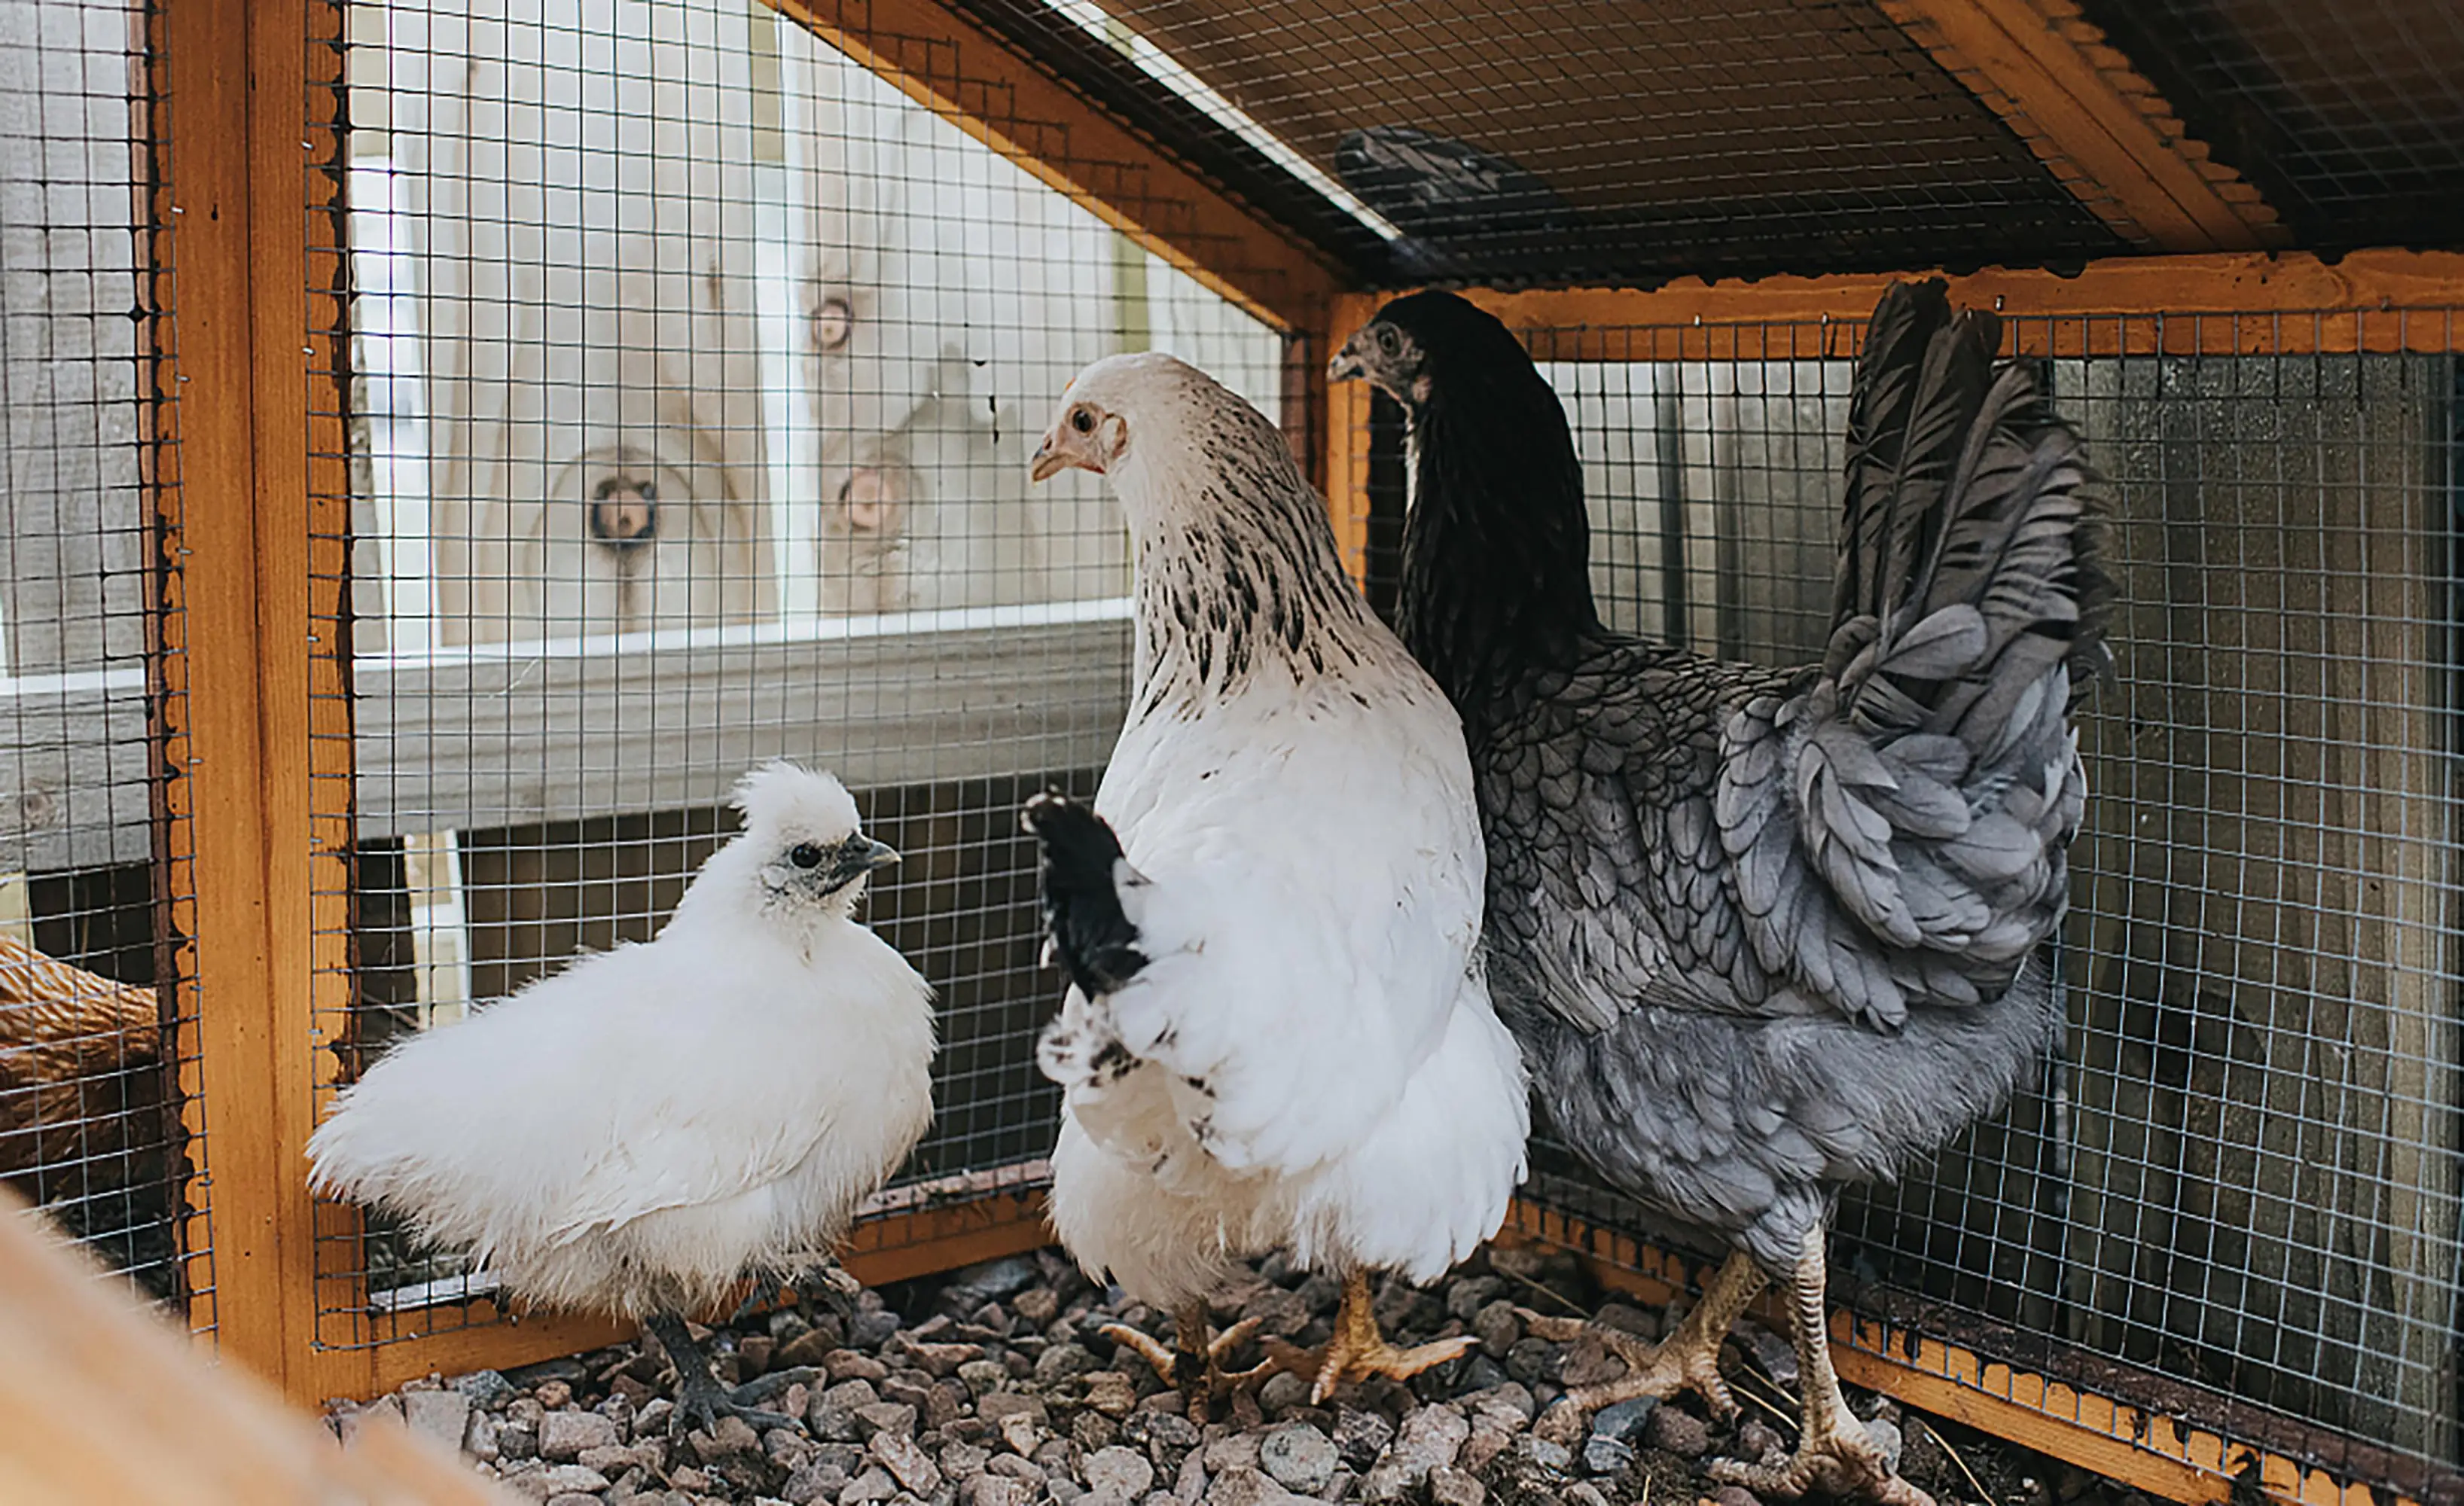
{"points": [[1764, 932]]}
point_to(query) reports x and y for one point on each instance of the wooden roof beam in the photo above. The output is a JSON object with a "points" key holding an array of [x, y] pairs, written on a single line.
{"points": [[2247, 303], [946, 61], [2097, 126]]}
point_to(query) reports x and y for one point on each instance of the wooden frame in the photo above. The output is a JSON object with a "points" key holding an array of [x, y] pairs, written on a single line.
{"points": [[945, 61], [252, 491], [255, 729], [2227, 304], [232, 109], [2097, 126]]}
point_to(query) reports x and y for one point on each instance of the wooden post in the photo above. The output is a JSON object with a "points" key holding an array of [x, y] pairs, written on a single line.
{"points": [[167, 670], [233, 116], [1346, 437]]}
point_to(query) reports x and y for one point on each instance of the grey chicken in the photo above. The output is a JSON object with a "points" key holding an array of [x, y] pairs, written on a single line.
{"points": [[1763, 933]]}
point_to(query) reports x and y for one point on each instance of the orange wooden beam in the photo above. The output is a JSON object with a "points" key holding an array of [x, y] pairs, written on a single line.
{"points": [[2224, 303], [998, 1216], [1345, 439], [234, 111], [944, 60], [2100, 127]]}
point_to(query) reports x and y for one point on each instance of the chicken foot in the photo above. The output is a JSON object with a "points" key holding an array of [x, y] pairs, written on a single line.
{"points": [[1834, 1453], [1357, 1350], [1689, 1358], [700, 1400], [819, 1276], [1194, 1363]]}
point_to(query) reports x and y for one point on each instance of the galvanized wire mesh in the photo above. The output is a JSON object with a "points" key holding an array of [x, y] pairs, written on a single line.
{"points": [[93, 1037], [2240, 1179], [692, 375], [1569, 141]]}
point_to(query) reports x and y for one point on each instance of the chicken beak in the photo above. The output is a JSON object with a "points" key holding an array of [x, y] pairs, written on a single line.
{"points": [[855, 858], [1054, 455], [1346, 363]]}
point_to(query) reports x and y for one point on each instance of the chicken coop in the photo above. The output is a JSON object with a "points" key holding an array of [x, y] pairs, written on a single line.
{"points": [[445, 444]]}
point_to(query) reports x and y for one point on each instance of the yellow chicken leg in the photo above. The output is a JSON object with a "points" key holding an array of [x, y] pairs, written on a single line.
{"points": [[1194, 1365], [1834, 1453], [1687, 1359], [1357, 1350]]}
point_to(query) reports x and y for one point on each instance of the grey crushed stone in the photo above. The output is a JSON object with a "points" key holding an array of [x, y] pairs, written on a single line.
{"points": [[998, 1389]]}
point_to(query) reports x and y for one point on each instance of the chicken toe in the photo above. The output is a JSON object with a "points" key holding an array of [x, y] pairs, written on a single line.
{"points": [[700, 1399], [1194, 1361], [1835, 1453], [1356, 1352], [1688, 1359], [1842, 1461]]}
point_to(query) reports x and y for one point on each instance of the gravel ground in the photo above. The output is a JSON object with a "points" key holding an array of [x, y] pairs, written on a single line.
{"points": [[990, 1387]]}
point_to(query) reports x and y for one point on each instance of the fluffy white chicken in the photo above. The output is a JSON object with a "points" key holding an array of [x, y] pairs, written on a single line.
{"points": [[637, 1134], [1279, 1034]]}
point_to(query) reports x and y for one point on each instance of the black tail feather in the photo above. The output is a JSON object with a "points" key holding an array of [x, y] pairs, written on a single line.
{"points": [[1094, 941]]}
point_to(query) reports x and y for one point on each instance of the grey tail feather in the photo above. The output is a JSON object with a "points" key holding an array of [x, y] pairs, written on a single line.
{"points": [[1077, 881], [1927, 397]]}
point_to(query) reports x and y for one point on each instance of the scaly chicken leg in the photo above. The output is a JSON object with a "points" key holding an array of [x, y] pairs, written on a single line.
{"points": [[1834, 1453], [700, 1399], [1689, 1357], [1194, 1365], [1357, 1350]]}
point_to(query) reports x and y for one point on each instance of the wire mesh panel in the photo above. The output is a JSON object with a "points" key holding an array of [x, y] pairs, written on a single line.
{"points": [[1585, 142], [2240, 1178], [2348, 118], [694, 372], [91, 1045]]}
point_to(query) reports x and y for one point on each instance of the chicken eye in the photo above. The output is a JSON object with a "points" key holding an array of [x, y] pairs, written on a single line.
{"points": [[804, 855], [1386, 340], [1082, 422]]}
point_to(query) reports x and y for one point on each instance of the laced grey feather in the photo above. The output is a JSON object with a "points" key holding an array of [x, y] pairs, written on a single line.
{"points": [[1764, 932]]}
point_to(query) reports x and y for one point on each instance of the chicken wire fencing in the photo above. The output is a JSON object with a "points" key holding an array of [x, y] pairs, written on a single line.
{"points": [[689, 374], [1577, 142], [96, 1039], [2234, 1195]]}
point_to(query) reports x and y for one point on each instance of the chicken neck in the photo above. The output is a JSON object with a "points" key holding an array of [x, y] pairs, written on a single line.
{"points": [[1497, 545]]}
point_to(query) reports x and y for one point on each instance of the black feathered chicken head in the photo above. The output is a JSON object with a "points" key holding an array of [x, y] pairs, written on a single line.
{"points": [[1409, 349]]}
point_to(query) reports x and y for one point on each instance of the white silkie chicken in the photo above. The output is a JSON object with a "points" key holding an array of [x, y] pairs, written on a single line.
{"points": [[1279, 1034], [636, 1134]]}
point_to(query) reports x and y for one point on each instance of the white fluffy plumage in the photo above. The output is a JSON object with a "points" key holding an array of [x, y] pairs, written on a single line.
{"points": [[1308, 1058], [636, 1133]]}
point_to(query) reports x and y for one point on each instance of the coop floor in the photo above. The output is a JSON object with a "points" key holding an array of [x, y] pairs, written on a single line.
{"points": [[991, 1387]]}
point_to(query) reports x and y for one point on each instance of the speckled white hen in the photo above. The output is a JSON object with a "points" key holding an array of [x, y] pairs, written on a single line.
{"points": [[1287, 1040], [638, 1132]]}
